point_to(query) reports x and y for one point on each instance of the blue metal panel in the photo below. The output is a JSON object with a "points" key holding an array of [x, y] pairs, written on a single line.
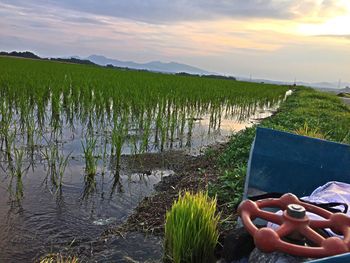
{"points": [[284, 162], [345, 258]]}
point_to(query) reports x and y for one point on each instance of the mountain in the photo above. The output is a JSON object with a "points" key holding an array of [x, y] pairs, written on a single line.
{"points": [[171, 67]]}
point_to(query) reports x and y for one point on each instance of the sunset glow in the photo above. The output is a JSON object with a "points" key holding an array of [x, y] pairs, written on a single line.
{"points": [[336, 26], [239, 38]]}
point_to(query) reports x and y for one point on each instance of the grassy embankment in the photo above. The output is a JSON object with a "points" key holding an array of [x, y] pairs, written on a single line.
{"points": [[308, 110]]}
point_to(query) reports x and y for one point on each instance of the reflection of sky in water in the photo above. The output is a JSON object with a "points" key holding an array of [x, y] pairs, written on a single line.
{"points": [[46, 219], [203, 135]]}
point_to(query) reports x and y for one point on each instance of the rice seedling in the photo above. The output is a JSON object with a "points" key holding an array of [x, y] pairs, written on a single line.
{"points": [[9, 142], [17, 171], [56, 163], [191, 229], [17, 194], [91, 158], [104, 155], [50, 154], [62, 164], [18, 161], [119, 134], [146, 134], [89, 186]]}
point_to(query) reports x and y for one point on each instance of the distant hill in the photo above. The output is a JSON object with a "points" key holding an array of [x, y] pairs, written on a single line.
{"points": [[28, 54], [25, 54], [74, 60], [155, 66], [171, 67]]}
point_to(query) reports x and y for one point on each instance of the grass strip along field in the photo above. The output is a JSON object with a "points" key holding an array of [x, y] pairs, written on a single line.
{"points": [[306, 112]]}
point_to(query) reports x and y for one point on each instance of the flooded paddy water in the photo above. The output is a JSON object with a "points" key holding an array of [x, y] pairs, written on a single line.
{"points": [[71, 144], [38, 216]]}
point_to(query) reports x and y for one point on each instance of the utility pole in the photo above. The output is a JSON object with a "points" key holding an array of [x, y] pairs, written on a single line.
{"points": [[339, 83]]}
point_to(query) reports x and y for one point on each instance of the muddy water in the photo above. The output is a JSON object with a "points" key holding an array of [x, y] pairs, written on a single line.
{"points": [[36, 218]]}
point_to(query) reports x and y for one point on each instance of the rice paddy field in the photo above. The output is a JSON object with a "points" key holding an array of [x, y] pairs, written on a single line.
{"points": [[69, 135]]}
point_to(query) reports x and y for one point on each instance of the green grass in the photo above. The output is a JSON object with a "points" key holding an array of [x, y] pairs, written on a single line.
{"points": [[309, 112], [314, 133], [191, 229]]}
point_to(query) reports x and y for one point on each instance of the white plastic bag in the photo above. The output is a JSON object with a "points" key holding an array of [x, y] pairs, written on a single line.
{"points": [[331, 192]]}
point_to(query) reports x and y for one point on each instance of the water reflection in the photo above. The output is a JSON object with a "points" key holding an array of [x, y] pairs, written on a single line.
{"points": [[62, 169]]}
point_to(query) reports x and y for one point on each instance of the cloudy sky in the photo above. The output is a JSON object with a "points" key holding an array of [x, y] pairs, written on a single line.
{"points": [[277, 39]]}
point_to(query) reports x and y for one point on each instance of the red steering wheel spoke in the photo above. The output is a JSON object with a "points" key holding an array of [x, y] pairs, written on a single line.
{"points": [[269, 216], [312, 235], [323, 224], [284, 230]]}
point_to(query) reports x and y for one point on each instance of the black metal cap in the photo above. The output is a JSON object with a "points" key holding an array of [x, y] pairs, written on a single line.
{"points": [[296, 211]]}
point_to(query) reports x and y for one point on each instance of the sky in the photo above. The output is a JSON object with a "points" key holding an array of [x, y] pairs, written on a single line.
{"points": [[303, 40]]}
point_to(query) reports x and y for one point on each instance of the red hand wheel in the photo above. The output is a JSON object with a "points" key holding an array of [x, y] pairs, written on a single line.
{"points": [[295, 220]]}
